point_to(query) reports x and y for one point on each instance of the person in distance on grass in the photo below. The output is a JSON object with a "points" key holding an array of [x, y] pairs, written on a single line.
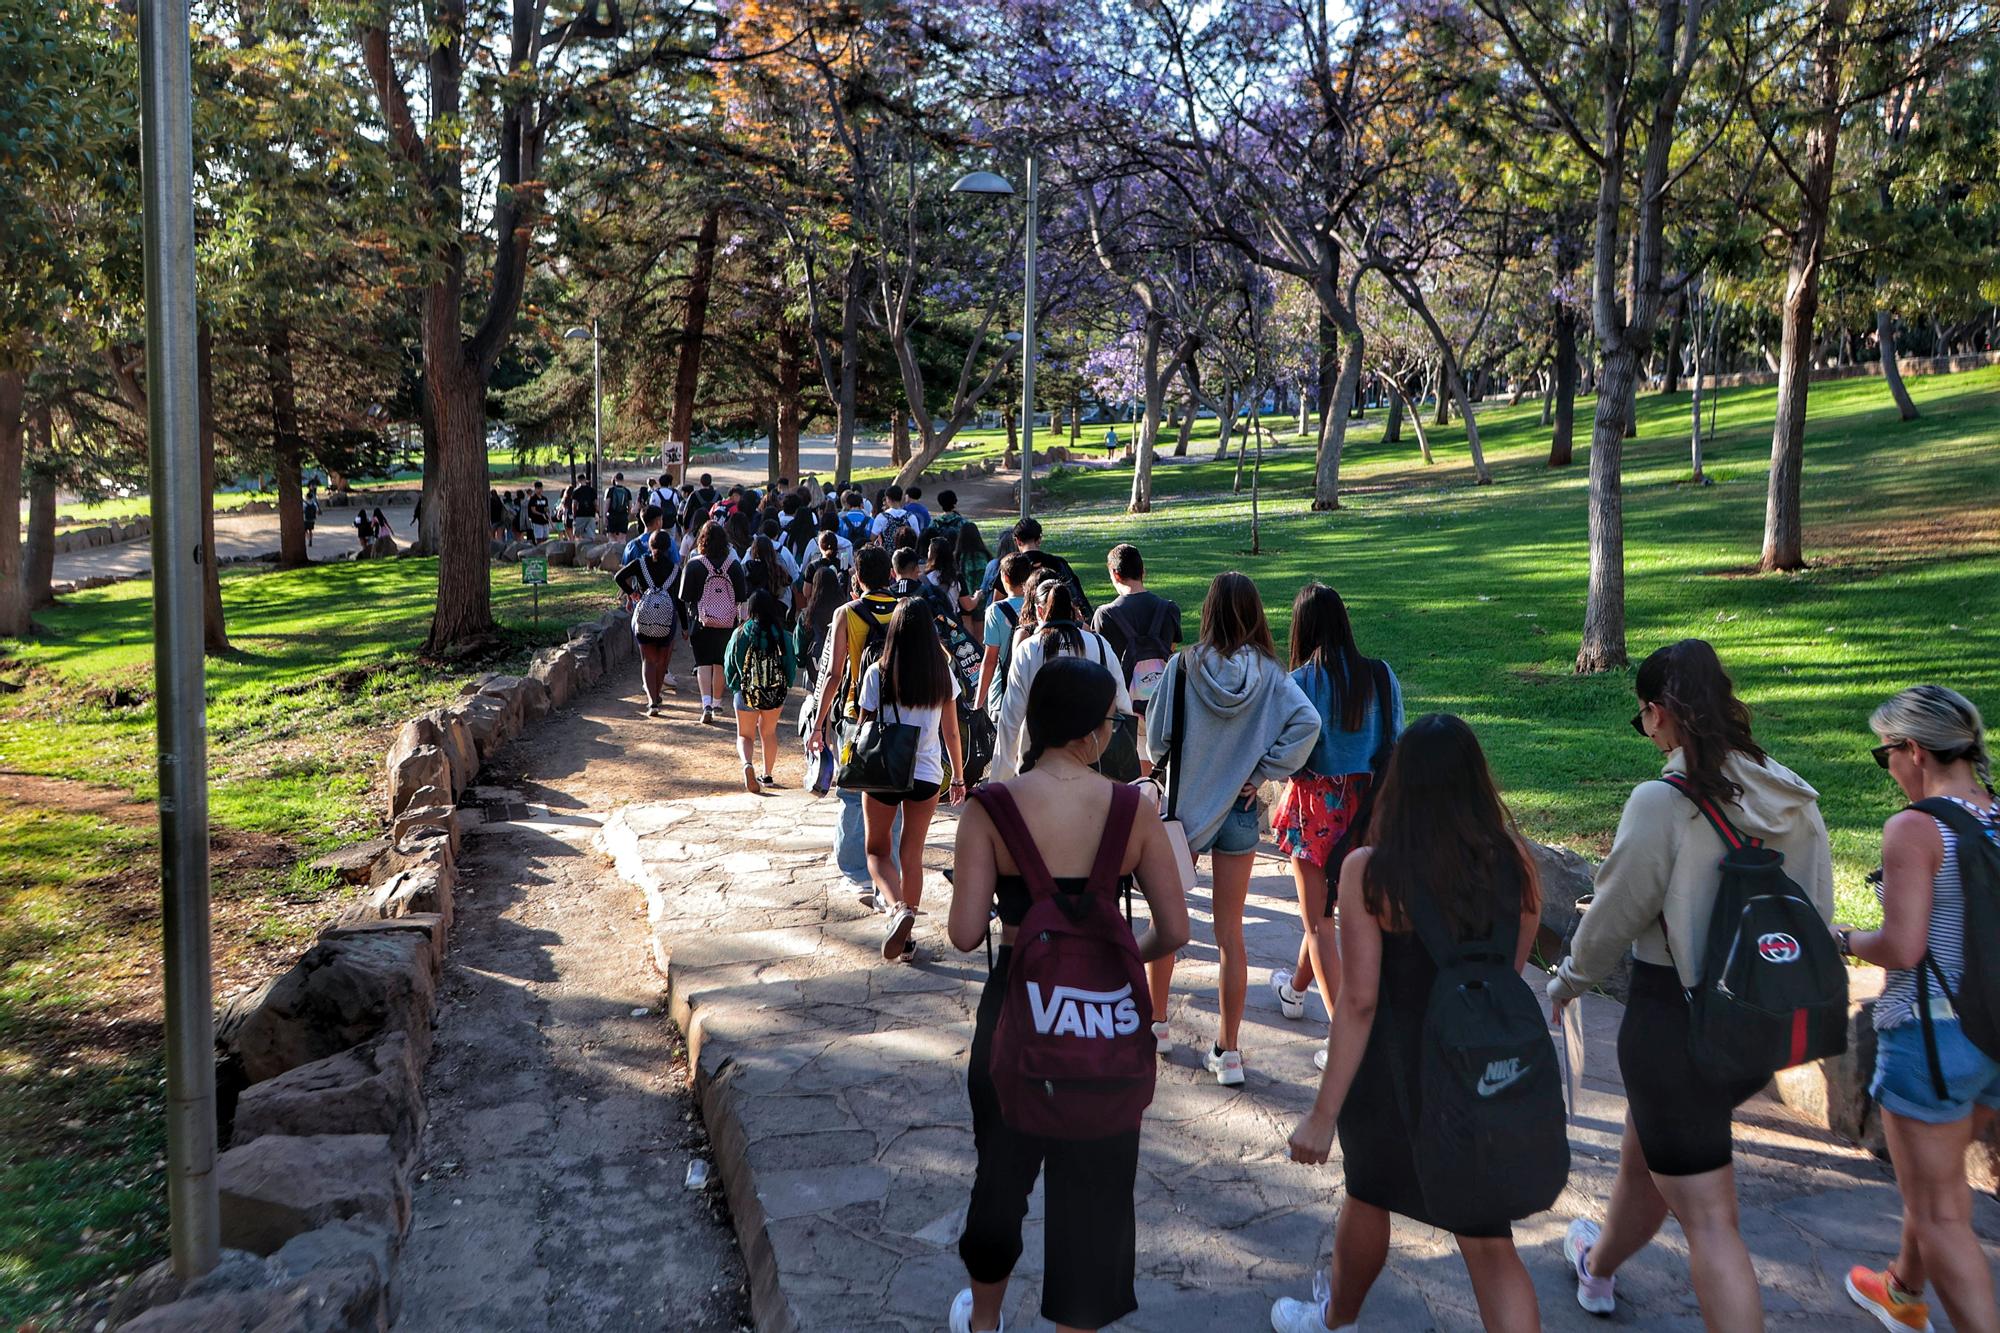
{"points": [[1442, 850], [1662, 872], [1245, 722], [1089, 1177], [1938, 1091], [759, 672], [1323, 812], [647, 580]]}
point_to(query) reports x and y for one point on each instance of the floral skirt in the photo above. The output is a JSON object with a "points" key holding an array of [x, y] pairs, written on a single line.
{"points": [[1314, 814]]}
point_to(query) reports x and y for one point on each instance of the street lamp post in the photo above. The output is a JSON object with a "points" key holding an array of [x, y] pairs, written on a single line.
{"points": [[985, 182], [596, 402]]}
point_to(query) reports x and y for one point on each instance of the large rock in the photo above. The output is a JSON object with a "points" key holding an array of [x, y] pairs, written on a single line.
{"points": [[415, 772], [455, 739], [285, 1185], [487, 720], [556, 670], [339, 994], [371, 1089], [432, 928], [509, 691], [560, 552], [1566, 879], [352, 862], [421, 888], [443, 818]]}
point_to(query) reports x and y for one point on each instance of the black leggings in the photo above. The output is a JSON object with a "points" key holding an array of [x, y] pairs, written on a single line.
{"points": [[1682, 1116], [1088, 1234]]}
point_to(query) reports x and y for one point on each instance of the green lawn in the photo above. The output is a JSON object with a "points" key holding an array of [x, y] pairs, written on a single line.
{"points": [[1475, 594], [324, 665]]}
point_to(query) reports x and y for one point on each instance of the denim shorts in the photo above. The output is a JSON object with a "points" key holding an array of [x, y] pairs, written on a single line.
{"points": [[1902, 1081], [1239, 832]]}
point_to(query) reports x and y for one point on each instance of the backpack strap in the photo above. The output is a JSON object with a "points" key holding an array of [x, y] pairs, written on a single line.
{"points": [[1006, 816], [1732, 837], [1179, 667], [1009, 614], [1117, 833]]}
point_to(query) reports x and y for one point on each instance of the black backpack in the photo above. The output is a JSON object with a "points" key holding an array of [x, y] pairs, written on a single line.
{"points": [[1773, 991], [1977, 999], [997, 689], [1142, 645], [1489, 1138]]}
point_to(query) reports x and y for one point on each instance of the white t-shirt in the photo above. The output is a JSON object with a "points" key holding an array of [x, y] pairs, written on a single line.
{"points": [[930, 753], [887, 517]]}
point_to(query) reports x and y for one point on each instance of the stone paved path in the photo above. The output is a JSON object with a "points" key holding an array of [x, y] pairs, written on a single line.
{"points": [[561, 1122], [832, 1087]]}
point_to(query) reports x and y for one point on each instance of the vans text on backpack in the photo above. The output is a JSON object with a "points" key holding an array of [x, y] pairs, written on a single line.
{"points": [[1771, 992], [1072, 1057], [1489, 1138]]}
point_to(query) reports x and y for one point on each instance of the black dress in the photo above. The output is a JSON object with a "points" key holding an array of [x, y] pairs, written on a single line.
{"points": [[1375, 1137]]}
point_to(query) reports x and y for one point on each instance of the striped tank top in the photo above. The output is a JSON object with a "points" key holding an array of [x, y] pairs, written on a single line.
{"points": [[1947, 929]]}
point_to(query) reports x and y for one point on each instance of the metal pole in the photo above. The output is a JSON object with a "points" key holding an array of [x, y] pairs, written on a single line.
{"points": [[173, 427], [597, 416], [1028, 343]]}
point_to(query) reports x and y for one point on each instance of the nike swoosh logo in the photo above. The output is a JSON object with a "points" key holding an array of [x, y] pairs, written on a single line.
{"points": [[1487, 1087]]}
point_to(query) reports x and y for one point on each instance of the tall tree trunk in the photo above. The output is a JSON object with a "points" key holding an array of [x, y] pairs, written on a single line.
{"points": [[38, 552], [1013, 429], [1563, 437], [1392, 430], [1075, 422], [899, 438], [688, 369], [1892, 374], [1225, 412], [1140, 501], [426, 541], [1187, 426], [1784, 536], [1603, 644], [464, 615], [850, 369], [1326, 381], [791, 407], [1333, 425], [1670, 366], [214, 633], [278, 371], [1443, 416], [13, 445]]}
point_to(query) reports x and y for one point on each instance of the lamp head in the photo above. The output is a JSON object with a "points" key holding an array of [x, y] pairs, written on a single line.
{"points": [[982, 182], [577, 332]]}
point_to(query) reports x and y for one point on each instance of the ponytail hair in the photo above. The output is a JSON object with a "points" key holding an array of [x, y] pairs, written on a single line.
{"points": [[1055, 607], [1942, 721], [1069, 699], [1687, 680]]}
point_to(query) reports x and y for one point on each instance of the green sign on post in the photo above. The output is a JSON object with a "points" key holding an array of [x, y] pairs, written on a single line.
{"points": [[534, 573]]}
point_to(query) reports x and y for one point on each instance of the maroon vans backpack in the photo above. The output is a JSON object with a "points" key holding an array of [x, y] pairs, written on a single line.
{"points": [[1073, 1056]]}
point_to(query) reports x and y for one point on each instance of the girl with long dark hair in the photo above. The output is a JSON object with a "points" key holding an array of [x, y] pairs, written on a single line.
{"points": [[706, 580], [1440, 832], [1090, 1236], [822, 598], [912, 683], [1057, 633], [1654, 895], [1315, 819], [1240, 722]]}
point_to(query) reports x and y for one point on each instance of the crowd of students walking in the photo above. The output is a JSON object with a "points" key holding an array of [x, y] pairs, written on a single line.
{"points": [[1097, 754]]}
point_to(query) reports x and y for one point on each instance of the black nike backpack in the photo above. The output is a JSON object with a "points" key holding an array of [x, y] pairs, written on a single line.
{"points": [[1772, 991], [1489, 1140]]}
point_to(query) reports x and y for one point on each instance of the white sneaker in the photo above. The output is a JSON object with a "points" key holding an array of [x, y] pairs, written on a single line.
{"points": [[1163, 1037], [1227, 1066], [1294, 1316], [901, 921], [1291, 1003], [671, 681], [961, 1313], [1319, 1059], [1597, 1295]]}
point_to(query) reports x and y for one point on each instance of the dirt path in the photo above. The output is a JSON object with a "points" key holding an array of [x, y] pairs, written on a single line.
{"points": [[561, 1126]]}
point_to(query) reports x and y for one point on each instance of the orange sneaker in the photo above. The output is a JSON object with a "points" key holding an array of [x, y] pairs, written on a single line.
{"points": [[1876, 1294]]}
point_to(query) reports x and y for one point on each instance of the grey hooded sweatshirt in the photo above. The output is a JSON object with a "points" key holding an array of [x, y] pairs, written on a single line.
{"points": [[1248, 721]]}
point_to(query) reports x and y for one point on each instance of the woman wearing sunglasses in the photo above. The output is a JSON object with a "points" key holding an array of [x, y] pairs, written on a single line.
{"points": [[1654, 895], [1937, 1090]]}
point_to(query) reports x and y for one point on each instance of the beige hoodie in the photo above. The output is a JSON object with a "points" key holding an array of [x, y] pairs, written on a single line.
{"points": [[1664, 863]]}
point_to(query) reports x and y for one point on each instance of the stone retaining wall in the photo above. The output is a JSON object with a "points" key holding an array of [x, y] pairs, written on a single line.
{"points": [[103, 534], [319, 1072]]}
